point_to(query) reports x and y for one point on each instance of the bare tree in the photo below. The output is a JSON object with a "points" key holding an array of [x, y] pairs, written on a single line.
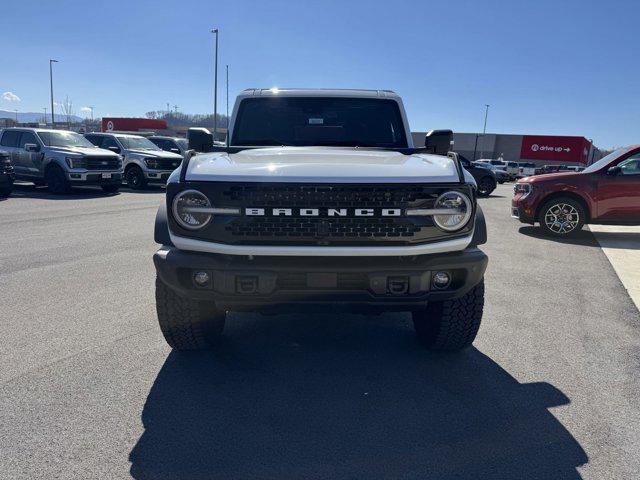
{"points": [[67, 110]]}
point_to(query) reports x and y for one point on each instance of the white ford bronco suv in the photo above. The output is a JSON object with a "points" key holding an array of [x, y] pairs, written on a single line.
{"points": [[320, 199]]}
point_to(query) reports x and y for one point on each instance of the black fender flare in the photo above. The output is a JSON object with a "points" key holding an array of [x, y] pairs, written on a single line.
{"points": [[480, 230], [161, 229]]}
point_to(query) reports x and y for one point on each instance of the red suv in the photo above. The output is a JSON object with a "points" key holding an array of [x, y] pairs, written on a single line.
{"points": [[607, 192]]}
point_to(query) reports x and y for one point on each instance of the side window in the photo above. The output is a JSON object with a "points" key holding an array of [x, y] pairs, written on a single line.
{"points": [[27, 137], [157, 142], [631, 166], [169, 144], [95, 139], [109, 142], [10, 138]]}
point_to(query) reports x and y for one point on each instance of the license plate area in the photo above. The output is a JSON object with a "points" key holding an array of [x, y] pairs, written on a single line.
{"points": [[106, 175]]}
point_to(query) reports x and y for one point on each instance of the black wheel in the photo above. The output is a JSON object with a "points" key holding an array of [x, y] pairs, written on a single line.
{"points": [[6, 191], [486, 185], [56, 180], [135, 178], [562, 216], [501, 181], [453, 324], [187, 324], [110, 188]]}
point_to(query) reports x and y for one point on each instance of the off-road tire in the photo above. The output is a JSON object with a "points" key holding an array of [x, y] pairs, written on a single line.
{"points": [[56, 180], [110, 188], [187, 324], [486, 185], [451, 325], [135, 178], [570, 202]]}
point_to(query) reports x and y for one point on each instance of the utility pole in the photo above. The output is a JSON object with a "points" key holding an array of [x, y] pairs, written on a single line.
{"points": [[227, 100], [215, 87], [53, 119], [484, 130]]}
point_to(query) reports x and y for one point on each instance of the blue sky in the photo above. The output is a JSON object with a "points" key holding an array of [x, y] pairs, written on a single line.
{"points": [[545, 67]]}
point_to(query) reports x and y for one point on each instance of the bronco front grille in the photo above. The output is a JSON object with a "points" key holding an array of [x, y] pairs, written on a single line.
{"points": [[296, 229], [360, 227]]}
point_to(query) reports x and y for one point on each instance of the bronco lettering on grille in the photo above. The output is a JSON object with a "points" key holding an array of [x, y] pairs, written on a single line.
{"points": [[323, 212]]}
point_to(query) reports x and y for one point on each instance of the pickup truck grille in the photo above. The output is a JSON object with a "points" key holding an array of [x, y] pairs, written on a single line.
{"points": [[102, 163], [296, 229], [167, 163]]}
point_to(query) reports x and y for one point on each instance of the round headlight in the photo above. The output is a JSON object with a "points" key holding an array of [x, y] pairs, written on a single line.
{"points": [[460, 207], [185, 209]]}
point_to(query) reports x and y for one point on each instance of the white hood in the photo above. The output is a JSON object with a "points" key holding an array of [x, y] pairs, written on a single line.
{"points": [[321, 164], [155, 154], [87, 151]]}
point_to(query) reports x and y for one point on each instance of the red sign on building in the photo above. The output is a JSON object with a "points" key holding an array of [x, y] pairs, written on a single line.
{"points": [[555, 149], [132, 124]]}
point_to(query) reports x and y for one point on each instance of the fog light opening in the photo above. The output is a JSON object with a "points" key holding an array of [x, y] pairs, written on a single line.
{"points": [[201, 279], [441, 280]]}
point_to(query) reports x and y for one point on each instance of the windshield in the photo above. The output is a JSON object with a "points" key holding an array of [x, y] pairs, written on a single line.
{"points": [[182, 143], [594, 167], [291, 121], [64, 139], [138, 143]]}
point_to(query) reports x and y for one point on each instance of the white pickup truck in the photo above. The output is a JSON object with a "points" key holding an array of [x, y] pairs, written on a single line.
{"points": [[319, 199]]}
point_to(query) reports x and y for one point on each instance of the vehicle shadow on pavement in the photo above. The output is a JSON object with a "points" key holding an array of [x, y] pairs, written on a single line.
{"points": [[584, 237], [76, 193], [346, 397]]}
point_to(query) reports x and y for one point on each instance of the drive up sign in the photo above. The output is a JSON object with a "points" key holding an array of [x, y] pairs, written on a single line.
{"points": [[555, 149]]}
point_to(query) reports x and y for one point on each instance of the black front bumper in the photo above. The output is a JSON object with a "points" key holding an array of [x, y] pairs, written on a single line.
{"points": [[283, 283]]}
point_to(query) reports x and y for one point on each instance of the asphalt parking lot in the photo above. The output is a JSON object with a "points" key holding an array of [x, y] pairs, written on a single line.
{"points": [[89, 389]]}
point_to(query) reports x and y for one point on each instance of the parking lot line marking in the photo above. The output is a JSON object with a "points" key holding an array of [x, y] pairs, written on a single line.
{"points": [[621, 245]]}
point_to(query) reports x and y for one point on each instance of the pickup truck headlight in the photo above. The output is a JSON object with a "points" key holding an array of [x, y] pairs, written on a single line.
{"points": [[461, 209], [76, 162], [152, 163], [185, 209]]}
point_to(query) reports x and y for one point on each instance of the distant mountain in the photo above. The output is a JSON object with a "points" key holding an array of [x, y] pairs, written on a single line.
{"points": [[32, 117]]}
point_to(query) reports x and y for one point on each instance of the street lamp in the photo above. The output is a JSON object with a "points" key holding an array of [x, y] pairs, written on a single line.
{"points": [[53, 120], [215, 87], [484, 129]]}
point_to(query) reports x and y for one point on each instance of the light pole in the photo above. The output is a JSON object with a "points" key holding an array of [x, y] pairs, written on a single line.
{"points": [[53, 119], [484, 130], [227, 100], [215, 88]]}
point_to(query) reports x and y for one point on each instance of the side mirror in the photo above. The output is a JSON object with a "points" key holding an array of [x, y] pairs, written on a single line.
{"points": [[174, 150], [438, 142], [200, 139], [32, 147], [614, 170], [114, 149]]}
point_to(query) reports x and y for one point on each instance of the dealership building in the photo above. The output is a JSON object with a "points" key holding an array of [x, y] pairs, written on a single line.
{"points": [[538, 149]]}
